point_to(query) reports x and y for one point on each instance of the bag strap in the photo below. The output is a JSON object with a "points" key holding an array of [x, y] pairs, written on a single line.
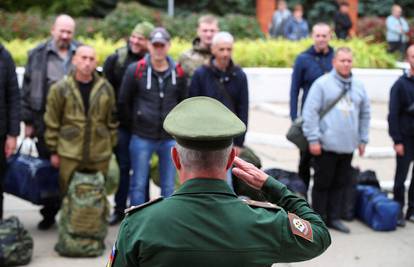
{"points": [[325, 111], [224, 92]]}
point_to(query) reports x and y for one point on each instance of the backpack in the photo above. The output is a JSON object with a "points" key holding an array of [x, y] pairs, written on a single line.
{"points": [[16, 245], [376, 209], [83, 218]]}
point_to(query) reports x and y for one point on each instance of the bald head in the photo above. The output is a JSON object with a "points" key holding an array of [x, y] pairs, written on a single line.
{"points": [[321, 35], [62, 31], [84, 61], [410, 57]]}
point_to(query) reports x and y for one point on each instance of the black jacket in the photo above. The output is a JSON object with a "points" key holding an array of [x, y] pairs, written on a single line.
{"points": [[400, 119], [144, 103], [343, 24], [35, 89], [9, 96], [114, 69], [206, 81]]}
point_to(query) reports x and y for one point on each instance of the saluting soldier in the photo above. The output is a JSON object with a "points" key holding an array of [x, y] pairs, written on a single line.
{"points": [[204, 223]]}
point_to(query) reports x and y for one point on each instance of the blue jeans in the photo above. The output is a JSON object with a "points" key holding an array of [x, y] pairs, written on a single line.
{"points": [[122, 156], [140, 151]]}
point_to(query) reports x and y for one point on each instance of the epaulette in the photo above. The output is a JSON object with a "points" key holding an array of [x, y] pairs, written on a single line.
{"points": [[260, 204], [133, 209]]}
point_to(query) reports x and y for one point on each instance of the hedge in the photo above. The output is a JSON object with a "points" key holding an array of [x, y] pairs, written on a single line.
{"points": [[247, 53]]}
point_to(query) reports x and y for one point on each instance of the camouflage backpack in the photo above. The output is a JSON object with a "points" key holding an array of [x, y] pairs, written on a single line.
{"points": [[83, 217], [16, 245]]}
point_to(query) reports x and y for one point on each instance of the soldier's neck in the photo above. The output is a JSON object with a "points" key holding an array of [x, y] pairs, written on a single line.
{"points": [[185, 175]]}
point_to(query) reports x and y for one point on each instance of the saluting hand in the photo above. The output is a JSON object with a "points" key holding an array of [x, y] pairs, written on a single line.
{"points": [[249, 173]]}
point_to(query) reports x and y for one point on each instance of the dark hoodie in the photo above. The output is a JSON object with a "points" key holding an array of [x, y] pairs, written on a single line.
{"points": [[146, 97], [400, 119], [309, 66], [9, 96]]}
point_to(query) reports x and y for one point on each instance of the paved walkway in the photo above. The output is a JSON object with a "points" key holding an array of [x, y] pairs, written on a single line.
{"points": [[363, 247]]}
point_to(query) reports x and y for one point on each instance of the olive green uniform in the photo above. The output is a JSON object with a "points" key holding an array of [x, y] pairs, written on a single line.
{"points": [[195, 57], [81, 140], [204, 224]]}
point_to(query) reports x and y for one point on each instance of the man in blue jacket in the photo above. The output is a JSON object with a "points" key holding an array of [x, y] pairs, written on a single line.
{"points": [[310, 65], [334, 137], [224, 81], [401, 130]]}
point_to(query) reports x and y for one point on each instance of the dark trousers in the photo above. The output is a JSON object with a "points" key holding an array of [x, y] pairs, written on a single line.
{"points": [[403, 164], [397, 47], [122, 156], [2, 172], [49, 210], [332, 174], [304, 167]]}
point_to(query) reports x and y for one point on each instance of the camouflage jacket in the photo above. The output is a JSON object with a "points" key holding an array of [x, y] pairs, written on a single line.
{"points": [[73, 134], [194, 58]]}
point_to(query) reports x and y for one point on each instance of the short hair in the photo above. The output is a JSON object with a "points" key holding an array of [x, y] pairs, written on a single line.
{"points": [[343, 4], [321, 24], [298, 7], [225, 37], [203, 160], [209, 19], [344, 49]]}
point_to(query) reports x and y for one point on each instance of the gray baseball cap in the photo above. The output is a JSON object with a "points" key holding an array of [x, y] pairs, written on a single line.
{"points": [[160, 35]]}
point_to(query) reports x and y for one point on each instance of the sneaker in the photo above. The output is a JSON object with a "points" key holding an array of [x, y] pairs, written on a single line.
{"points": [[401, 220], [46, 224]]}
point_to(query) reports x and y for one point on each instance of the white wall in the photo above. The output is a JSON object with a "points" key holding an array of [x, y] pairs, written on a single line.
{"points": [[273, 84]]}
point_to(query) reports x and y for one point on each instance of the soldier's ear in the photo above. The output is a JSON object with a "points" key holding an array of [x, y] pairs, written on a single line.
{"points": [[231, 158], [176, 158]]}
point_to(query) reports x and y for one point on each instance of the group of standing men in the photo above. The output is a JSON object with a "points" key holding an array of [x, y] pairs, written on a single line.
{"points": [[79, 117], [336, 113]]}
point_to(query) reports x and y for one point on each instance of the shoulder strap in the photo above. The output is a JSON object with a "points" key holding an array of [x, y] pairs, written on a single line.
{"points": [[141, 65], [328, 108], [224, 92]]}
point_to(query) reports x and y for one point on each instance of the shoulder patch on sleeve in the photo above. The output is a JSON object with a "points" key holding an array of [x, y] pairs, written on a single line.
{"points": [[259, 204], [146, 204], [300, 227]]}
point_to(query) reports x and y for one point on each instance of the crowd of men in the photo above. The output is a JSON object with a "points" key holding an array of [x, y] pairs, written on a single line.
{"points": [[145, 103]]}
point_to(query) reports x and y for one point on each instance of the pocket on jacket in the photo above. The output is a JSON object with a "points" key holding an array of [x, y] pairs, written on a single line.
{"points": [[102, 132], [69, 132]]}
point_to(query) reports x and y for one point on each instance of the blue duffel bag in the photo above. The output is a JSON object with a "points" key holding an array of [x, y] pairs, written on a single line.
{"points": [[375, 209], [32, 179]]}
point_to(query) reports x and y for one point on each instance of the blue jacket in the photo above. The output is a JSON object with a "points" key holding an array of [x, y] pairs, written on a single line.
{"points": [[346, 125], [205, 83], [309, 66], [394, 34], [400, 121], [296, 30]]}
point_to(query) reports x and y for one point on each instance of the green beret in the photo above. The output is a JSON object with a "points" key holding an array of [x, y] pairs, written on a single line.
{"points": [[144, 28], [203, 123]]}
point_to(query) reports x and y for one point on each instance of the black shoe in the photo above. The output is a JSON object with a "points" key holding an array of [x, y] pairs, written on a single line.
{"points": [[116, 218], [46, 224], [339, 226], [401, 222], [410, 216]]}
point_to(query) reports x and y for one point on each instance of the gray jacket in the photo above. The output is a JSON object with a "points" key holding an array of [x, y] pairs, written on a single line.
{"points": [[346, 125], [35, 87]]}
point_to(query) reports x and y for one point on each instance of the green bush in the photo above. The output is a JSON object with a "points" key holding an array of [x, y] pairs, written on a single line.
{"points": [[247, 53]]}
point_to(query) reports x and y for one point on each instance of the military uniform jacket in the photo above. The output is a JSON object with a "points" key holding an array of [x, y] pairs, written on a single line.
{"points": [[204, 224], [72, 133]]}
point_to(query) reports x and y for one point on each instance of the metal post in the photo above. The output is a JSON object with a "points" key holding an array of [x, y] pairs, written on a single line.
{"points": [[171, 8]]}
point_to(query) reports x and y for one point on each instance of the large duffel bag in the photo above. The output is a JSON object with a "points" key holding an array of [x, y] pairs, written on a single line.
{"points": [[16, 245], [83, 217], [32, 179], [291, 179], [375, 209]]}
